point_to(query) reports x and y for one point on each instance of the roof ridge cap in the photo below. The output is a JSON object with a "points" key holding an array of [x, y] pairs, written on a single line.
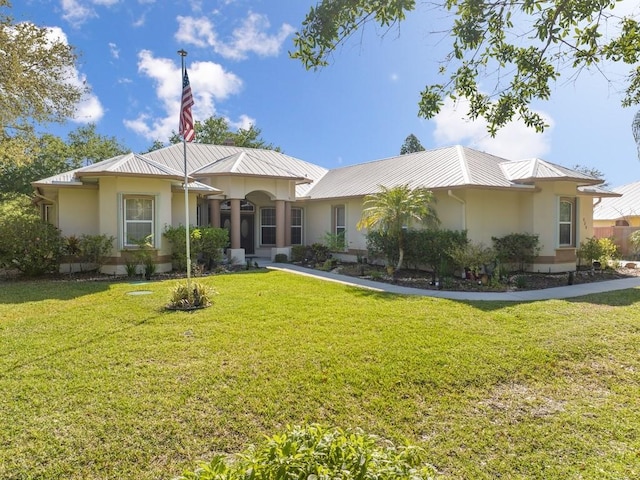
{"points": [[464, 166]]}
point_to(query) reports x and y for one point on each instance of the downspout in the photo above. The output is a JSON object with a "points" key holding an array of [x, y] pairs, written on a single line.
{"points": [[464, 208]]}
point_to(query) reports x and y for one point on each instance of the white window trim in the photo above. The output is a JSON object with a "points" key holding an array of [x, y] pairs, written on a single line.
{"points": [[299, 227], [573, 227], [155, 232], [268, 225]]}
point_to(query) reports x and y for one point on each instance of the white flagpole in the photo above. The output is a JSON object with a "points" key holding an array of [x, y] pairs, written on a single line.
{"points": [[183, 54]]}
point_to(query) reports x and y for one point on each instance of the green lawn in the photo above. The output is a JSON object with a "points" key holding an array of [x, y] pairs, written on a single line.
{"points": [[97, 383]]}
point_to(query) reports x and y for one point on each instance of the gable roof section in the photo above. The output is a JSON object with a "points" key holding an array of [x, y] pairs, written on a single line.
{"points": [[434, 169], [625, 205], [244, 163], [535, 169], [129, 164], [260, 162]]}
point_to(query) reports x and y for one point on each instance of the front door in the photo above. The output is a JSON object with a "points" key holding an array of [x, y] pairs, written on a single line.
{"points": [[247, 230]]}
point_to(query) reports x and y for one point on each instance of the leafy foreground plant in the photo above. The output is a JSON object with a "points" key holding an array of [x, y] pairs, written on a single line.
{"points": [[187, 297], [314, 452]]}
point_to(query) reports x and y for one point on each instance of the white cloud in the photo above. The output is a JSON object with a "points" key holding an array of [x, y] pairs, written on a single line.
{"points": [[75, 12], [196, 31], [514, 141], [243, 122], [115, 51], [250, 37], [209, 83], [89, 109]]}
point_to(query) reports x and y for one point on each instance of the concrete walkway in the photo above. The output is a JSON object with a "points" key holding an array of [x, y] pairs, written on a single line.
{"points": [[568, 291]]}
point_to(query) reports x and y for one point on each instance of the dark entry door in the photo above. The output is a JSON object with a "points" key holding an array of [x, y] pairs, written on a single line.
{"points": [[247, 230]]}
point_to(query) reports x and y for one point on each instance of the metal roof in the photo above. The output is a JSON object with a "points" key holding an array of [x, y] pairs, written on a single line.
{"points": [[441, 168], [626, 205], [244, 163], [130, 164], [435, 169], [535, 169]]}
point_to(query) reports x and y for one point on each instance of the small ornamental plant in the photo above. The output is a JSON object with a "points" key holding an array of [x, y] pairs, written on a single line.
{"points": [[318, 453], [190, 296]]}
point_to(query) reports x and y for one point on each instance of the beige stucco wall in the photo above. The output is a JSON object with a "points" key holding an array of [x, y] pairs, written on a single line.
{"points": [[484, 214], [80, 211], [240, 187], [112, 189]]}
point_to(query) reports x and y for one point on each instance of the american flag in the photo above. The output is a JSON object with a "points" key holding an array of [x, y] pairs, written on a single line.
{"points": [[186, 119]]}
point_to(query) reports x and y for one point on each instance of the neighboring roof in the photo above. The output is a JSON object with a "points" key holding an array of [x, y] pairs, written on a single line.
{"points": [[626, 205], [442, 168]]}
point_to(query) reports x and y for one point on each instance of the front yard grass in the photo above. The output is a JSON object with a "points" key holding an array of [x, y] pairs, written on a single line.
{"points": [[98, 383]]}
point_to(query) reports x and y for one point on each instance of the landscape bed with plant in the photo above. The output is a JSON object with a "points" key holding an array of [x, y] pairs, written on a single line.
{"points": [[100, 383], [447, 260]]}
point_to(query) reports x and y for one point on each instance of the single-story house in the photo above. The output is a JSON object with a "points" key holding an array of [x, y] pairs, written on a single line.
{"points": [[270, 201], [618, 217]]}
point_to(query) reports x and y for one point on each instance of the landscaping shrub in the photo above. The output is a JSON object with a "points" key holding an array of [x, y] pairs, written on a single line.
{"points": [[601, 250], [335, 242], [517, 250], [281, 258], [432, 248], [206, 243], [95, 249], [383, 245], [320, 252], [195, 295], [314, 452], [27, 243], [477, 257], [634, 241], [298, 253]]}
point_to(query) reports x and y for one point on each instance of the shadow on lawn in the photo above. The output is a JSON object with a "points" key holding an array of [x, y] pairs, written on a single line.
{"points": [[70, 348], [616, 298], [23, 291]]}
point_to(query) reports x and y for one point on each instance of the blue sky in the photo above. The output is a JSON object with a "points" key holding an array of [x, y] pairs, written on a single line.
{"points": [[358, 109]]}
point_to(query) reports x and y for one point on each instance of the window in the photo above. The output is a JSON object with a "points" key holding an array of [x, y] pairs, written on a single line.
{"points": [[138, 220], [296, 226], [339, 220], [47, 212], [339, 228], [566, 223], [268, 226]]}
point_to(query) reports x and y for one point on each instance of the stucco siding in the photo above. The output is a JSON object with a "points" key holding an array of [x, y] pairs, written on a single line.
{"points": [[81, 213], [492, 213]]}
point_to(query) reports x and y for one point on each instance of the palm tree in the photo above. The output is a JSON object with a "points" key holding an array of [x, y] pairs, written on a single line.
{"points": [[392, 210]]}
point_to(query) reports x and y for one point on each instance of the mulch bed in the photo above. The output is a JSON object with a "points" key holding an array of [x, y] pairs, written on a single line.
{"points": [[520, 281]]}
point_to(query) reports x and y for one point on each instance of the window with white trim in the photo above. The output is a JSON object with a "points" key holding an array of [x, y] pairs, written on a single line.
{"points": [[566, 222], [296, 226], [339, 220], [138, 220], [268, 226]]}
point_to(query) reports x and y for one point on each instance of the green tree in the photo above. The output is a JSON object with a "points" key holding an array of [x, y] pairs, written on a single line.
{"points": [[86, 146], [392, 210], [411, 145], [34, 74], [490, 40], [594, 172], [216, 131], [25, 157]]}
